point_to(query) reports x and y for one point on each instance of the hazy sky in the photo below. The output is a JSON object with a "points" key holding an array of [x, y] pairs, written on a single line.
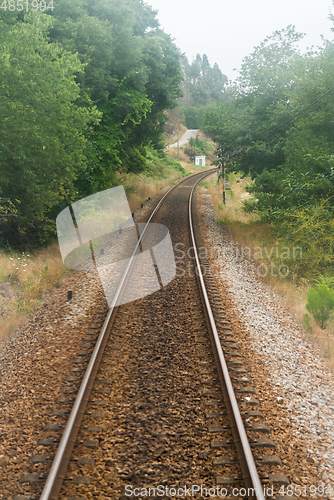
{"points": [[227, 31]]}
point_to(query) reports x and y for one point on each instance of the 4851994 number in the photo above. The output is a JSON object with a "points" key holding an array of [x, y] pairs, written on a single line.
{"points": [[297, 490], [33, 5]]}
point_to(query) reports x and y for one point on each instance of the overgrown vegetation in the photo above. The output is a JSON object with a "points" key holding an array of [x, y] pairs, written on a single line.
{"points": [[198, 147], [258, 241], [277, 127], [30, 275], [159, 173], [83, 94]]}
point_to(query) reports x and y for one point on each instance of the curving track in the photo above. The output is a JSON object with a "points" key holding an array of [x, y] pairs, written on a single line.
{"points": [[156, 406]]}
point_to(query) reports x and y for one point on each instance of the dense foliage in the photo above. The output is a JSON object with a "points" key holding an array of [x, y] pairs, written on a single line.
{"points": [[278, 127], [83, 93], [204, 85]]}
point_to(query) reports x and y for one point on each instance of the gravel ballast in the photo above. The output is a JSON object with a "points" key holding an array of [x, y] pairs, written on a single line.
{"points": [[285, 368]]}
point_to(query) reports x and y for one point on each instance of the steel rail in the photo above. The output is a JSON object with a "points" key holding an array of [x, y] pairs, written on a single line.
{"points": [[58, 469], [245, 454]]}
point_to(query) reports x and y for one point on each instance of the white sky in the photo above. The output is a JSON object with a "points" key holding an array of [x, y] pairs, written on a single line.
{"points": [[227, 31]]}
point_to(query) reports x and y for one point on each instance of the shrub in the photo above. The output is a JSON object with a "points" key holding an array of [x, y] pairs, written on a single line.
{"points": [[249, 206], [320, 302], [312, 229]]}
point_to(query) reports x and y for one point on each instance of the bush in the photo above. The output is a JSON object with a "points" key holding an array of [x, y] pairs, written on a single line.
{"points": [[312, 229], [320, 302], [249, 206], [159, 165], [192, 117]]}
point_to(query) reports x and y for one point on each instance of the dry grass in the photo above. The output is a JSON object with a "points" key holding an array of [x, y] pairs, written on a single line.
{"points": [[171, 138], [30, 276], [139, 188], [250, 233], [232, 211], [173, 153], [173, 126]]}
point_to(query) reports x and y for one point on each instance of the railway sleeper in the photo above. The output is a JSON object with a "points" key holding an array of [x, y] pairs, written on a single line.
{"points": [[279, 479], [270, 460], [265, 443], [23, 497], [254, 428]]}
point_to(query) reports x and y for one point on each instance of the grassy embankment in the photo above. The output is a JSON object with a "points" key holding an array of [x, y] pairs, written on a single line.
{"points": [[259, 241], [31, 275]]}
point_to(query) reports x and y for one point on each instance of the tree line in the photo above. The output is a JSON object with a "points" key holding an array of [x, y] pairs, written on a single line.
{"points": [[204, 86], [276, 125], [269, 128], [83, 93]]}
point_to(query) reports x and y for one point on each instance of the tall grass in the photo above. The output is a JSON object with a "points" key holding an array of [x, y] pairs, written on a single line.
{"points": [[30, 276], [139, 187]]}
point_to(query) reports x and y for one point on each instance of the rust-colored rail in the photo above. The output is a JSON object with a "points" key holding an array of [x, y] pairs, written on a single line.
{"points": [[245, 455], [61, 460]]}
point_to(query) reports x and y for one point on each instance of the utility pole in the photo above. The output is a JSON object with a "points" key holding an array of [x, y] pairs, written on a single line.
{"points": [[222, 171], [178, 147], [192, 156]]}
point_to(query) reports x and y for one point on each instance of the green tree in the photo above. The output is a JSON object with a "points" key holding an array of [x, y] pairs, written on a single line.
{"points": [[320, 303], [203, 83], [42, 130], [132, 71], [305, 173], [258, 103]]}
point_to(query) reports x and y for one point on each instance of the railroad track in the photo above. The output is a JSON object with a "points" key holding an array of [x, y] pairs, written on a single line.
{"points": [[163, 399]]}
